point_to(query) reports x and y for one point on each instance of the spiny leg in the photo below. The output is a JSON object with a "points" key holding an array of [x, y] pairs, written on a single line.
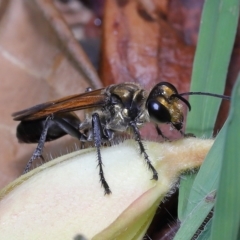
{"points": [[62, 124], [142, 149], [160, 133], [38, 151], [186, 135], [98, 134]]}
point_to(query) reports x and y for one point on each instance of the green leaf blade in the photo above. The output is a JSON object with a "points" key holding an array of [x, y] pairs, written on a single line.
{"points": [[226, 221], [211, 62], [216, 39]]}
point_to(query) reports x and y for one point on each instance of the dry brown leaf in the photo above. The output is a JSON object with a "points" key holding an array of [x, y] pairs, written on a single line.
{"points": [[184, 16], [39, 60], [138, 46]]}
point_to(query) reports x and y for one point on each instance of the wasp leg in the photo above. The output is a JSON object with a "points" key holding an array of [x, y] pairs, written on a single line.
{"points": [[69, 129], [98, 135], [143, 151], [65, 126], [186, 135], [159, 132], [38, 151]]}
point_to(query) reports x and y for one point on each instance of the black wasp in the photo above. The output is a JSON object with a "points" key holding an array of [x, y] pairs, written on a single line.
{"points": [[116, 108]]}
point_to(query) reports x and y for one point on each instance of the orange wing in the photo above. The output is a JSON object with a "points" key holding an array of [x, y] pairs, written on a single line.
{"points": [[96, 98]]}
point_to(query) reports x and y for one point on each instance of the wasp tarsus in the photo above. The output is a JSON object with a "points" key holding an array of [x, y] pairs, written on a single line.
{"points": [[115, 109]]}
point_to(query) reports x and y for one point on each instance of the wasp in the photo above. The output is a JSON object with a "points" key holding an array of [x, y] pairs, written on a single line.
{"points": [[115, 109]]}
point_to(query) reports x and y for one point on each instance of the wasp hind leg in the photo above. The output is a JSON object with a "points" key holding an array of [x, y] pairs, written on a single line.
{"points": [[143, 150], [98, 135], [63, 125], [38, 151]]}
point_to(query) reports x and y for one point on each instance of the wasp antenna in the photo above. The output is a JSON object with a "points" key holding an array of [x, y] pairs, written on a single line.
{"points": [[206, 94]]}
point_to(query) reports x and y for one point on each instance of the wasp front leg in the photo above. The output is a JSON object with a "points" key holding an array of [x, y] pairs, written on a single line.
{"points": [[142, 149], [186, 135], [160, 133]]}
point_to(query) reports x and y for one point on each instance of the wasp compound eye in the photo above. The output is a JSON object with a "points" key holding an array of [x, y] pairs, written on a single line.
{"points": [[158, 112]]}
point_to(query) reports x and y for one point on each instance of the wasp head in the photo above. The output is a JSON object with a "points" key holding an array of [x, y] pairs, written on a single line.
{"points": [[164, 107]]}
